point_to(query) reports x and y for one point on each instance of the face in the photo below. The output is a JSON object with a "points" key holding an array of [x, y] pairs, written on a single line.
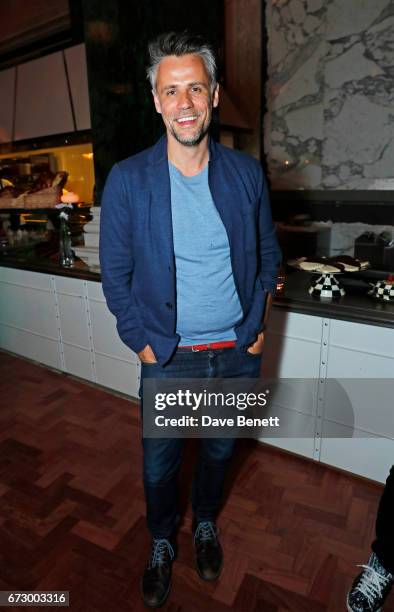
{"points": [[184, 99]]}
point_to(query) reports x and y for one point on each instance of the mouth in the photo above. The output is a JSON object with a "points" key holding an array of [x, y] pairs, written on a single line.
{"points": [[190, 120]]}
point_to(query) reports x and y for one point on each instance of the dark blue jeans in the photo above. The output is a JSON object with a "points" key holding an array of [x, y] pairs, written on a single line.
{"points": [[162, 457], [383, 546]]}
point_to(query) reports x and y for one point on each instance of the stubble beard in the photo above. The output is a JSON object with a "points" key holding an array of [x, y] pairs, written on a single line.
{"points": [[192, 141]]}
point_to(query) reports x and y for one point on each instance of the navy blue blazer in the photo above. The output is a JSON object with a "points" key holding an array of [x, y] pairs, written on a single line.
{"points": [[137, 253]]}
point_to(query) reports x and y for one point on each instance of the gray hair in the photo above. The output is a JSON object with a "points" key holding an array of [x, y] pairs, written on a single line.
{"points": [[180, 43]]}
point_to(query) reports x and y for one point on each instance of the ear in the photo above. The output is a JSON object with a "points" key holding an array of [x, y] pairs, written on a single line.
{"points": [[156, 101], [215, 97]]}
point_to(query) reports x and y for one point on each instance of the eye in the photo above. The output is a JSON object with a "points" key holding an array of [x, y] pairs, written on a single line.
{"points": [[171, 92], [196, 89]]}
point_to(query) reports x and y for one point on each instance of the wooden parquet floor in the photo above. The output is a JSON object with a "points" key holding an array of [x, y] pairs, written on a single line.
{"points": [[72, 510]]}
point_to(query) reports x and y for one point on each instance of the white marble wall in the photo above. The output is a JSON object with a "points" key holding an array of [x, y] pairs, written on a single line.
{"points": [[343, 235], [330, 94]]}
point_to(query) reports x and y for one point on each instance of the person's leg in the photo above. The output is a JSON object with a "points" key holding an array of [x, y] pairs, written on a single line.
{"points": [[371, 587], [208, 482], [214, 458], [161, 462], [215, 453], [383, 546], [162, 457]]}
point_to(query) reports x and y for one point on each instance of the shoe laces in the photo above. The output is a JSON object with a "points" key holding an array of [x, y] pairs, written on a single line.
{"points": [[160, 548], [205, 531], [372, 583]]}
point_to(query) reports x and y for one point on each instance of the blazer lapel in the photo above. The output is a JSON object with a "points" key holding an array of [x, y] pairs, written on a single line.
{"points": [[161, 219], [224, 196]]}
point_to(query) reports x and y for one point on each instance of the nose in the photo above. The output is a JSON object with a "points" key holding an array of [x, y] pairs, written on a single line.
{"points": [[184, 100]]}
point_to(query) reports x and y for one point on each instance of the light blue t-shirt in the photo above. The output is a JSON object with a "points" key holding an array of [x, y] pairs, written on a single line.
{"points": [[208, 306]]}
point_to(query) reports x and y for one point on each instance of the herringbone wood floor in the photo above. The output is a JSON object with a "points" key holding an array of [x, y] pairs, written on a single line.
{"points": [[72, 510]]}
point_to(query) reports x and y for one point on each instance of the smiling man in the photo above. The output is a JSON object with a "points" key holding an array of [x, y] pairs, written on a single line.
{"points": [[184, 96], [189, 260]]}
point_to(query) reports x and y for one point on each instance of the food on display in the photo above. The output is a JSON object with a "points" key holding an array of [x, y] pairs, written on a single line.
{"points": [[45, 191], [330, 265]]}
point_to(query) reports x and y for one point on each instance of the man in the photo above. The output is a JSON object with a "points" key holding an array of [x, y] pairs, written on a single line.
{"points": [[372, 587], [188, 257]]}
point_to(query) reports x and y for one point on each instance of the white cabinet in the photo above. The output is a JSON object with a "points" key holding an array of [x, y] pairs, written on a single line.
{"points": [[74, 327], [292, 352], [65, 323], [28, 318], [359, 399], [116, 365], [352, 405]]}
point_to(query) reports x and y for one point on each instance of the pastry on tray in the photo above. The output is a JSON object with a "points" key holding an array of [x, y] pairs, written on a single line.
{"points": [[318, 264], [310, 263], [330, 265], [351, 263], [331, 268]]}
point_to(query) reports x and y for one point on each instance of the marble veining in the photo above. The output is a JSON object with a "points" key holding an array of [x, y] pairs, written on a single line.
{"points": [[343, 235], [330, 94]]}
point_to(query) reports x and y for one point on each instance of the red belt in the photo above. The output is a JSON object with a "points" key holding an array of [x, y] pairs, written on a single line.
{"points": [[208, 347]]}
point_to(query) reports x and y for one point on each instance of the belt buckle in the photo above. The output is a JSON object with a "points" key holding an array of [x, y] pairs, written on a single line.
{"points": [[208, 346]]}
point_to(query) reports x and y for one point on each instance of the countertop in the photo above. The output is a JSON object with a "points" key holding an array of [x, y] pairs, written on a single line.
{"points": [[355, 306], [50, 265]]}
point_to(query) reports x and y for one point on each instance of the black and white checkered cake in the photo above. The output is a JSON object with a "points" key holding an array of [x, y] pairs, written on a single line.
{"points": [[383, 290], [326, 286]]}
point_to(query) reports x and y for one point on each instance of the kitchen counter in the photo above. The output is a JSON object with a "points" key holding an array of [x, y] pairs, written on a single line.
{"points": [[50, 265], [356, 305]]}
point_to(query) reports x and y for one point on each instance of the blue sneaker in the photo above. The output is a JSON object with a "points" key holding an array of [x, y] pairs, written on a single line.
{"points": [[371, 588]]}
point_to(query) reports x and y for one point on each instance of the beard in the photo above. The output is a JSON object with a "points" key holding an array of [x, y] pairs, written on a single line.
{"points": [[193, 139]]}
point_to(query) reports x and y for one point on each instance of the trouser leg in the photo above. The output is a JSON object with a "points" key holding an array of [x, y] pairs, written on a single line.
{"points": [[215, 453], [207, 488], [383, 546], [162, 457], [161, 463]]}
